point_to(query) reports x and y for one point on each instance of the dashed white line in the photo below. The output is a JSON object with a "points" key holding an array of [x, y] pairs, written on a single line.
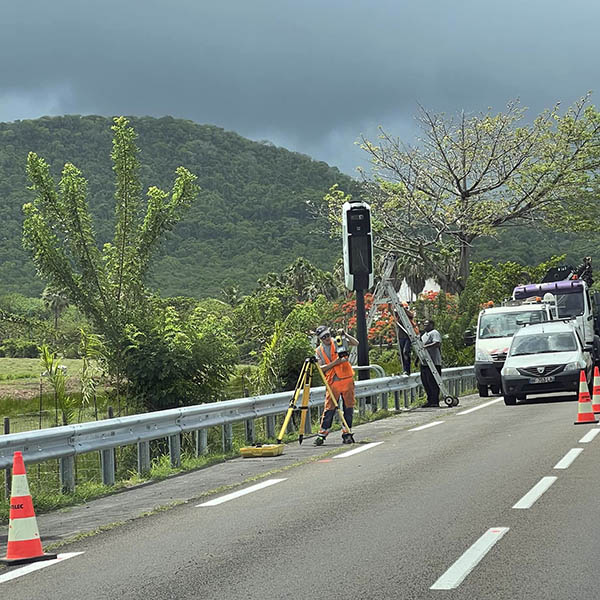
{"points": [[568, 458], [469, 560], [36, 566], [427, 426], [248, 490], [535, 492], [357, 450], [470, 410], [589, 436]]}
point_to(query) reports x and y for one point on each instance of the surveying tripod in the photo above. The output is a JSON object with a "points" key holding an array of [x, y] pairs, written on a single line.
{"points": [[385, 292], [303, 386]]}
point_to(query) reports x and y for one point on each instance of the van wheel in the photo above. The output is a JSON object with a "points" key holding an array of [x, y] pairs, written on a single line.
{"points": [[510, 400], [483, 391]]}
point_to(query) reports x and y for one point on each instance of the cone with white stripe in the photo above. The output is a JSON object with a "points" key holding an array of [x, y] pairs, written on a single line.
{"points": [[24, 543], [596, 391], [585, 414]]}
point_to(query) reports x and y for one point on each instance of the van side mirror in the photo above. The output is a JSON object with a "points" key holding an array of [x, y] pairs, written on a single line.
{"points": [[589, 348], [469, 337]]}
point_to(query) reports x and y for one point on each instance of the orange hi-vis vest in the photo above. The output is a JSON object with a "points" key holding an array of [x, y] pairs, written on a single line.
{"points": [[343, 371]]}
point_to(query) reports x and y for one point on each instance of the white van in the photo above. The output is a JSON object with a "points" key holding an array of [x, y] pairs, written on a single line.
{"points": [[495, 329]]}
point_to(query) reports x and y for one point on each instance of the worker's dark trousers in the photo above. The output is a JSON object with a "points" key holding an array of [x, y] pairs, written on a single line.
{"points": [[432, 389], [327, 418], [405, 345]]}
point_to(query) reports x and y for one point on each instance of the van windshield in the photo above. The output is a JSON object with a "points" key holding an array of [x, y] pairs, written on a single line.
{"points": [[543, 343], [500, 325], [569, 305]]}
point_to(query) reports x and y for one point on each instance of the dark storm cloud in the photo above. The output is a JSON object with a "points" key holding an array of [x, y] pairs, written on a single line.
{"points": [[311, 75]]}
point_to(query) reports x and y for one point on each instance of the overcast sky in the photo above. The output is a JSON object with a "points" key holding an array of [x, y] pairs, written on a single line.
{"points": [[309, 75]]}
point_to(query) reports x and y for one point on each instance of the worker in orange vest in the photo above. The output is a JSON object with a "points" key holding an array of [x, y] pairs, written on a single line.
{"points": [[340, 377]]}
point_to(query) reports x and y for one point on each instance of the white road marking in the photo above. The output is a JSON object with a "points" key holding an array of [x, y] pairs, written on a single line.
{"points": [[589, 436], [535, 492], [568, 458], [248, 490], [470, 410], [426, 426], [454, 576], [357, 450], [36, 566]]}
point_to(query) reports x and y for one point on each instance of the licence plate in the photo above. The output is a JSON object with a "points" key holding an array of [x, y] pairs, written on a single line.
{"points": [[548, 379]]}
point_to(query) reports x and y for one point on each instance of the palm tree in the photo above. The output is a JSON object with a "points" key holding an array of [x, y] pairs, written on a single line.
{"points": [[56, 301]]}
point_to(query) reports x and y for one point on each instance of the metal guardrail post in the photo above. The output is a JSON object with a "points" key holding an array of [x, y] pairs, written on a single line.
{"points": [[143, 458], [201, 442], [406, 397], [308, 422], [107, 463], [8, 470], [227, 437], [250, 433], [396, 400], [175, 450], [107, 459], [270, 424], [66, 470]]}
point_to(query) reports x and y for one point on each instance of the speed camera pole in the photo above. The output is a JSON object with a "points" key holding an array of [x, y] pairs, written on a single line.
{"points": [[358, 268], [361, 334]]}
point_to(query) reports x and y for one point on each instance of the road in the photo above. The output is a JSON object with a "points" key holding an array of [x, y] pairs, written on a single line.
{"points": [[426, 513]]}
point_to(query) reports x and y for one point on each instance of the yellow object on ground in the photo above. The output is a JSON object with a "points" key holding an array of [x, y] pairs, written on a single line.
{"points": [[262, 450]]}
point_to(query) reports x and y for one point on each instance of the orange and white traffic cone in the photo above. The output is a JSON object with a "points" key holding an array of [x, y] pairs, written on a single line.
{"points": [[585, 414], [596, 391], [24, 543]]}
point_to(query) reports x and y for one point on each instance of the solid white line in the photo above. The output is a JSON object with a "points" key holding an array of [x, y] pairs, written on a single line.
{"points": [[426, 426], [469, 560], [470, 410], [568, 458], [36, 566], [535, 492], [357, 450], [248, 490], [589, 436]]}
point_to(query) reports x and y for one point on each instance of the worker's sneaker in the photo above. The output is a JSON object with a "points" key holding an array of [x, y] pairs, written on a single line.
{"points": [[319, 441], [347, 438]]}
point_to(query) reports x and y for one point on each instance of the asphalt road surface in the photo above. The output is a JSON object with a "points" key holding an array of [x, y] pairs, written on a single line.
{"points": [[498, 502]]}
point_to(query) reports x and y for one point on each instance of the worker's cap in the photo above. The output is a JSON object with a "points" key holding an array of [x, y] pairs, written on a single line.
{"points": [[322, 330]]}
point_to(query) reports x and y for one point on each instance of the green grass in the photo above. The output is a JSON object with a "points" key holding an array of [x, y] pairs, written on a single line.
{"points": [[31, 368]]}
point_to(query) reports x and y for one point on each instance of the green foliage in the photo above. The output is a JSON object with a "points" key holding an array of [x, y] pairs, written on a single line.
{"points": [[19, 348], [250, 217], [56, 375], [106, 285], [288, 347], [175, 361]]}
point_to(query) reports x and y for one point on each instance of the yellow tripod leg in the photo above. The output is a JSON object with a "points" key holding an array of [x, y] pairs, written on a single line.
{"points": [[305, 401], [335, 403], [292, 405]]}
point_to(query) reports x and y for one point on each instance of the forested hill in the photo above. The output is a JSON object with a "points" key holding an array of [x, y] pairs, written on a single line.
{"points": [[249, 219]]}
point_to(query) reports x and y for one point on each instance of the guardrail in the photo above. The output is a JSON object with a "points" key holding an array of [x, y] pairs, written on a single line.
{"points": [[66, 442]]}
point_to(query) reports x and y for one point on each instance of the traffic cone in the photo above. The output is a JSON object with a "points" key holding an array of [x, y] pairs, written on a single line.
{"points": [[585, 414], [596, 391], [24, 544]]}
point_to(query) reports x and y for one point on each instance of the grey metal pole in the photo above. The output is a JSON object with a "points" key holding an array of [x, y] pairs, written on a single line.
{"points": [[8, 471]]}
